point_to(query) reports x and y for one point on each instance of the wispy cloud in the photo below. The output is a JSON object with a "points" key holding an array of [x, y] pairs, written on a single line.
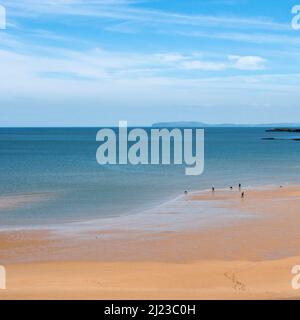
{"points": [[126, 53], [99, 64], [291, 39], [252, 63], [122, 10], [248, 62]]}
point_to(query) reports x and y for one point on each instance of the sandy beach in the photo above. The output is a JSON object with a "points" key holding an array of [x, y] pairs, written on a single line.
{"points": [[149, 150], [247, 255]]}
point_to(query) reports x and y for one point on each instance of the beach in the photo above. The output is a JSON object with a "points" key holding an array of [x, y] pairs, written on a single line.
{"points": [[249, 253], [149, 150]]}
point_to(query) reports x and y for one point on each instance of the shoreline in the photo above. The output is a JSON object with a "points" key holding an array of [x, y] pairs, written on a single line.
{"points": [[260, 231], [200, 214], [23, 199]]}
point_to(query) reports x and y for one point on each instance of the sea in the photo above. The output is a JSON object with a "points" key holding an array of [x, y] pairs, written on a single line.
{"points": [[50, 176]]}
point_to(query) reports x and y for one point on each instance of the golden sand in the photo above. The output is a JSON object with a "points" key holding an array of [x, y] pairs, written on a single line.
{"points": [[248, 258]]}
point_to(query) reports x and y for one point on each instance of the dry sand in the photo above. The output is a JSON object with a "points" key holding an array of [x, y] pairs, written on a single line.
{"points": [[249, 258]]}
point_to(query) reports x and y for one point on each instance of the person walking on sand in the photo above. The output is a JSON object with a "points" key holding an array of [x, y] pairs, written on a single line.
{"points": [[243, 195]]}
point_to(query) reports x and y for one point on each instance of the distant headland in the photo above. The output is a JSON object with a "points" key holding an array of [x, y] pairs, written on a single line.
{"points": [[287, 127], [283, 130]]}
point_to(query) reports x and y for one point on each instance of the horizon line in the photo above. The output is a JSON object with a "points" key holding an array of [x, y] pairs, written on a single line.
{"points": [[215, 125]]}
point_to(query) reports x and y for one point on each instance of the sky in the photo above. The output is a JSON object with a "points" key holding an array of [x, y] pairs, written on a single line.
{"points": [[95, 62]]}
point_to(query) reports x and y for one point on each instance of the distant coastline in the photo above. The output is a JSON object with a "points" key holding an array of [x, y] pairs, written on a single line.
{"points": [[289, 130], [195, 124], [285, 135], [273, 138]]}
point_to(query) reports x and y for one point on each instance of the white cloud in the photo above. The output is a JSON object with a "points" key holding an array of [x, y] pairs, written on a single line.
{"points": [[204, 65], [93, 83], [97, 73], [253, 37], [248, 62], [124, 11], [171, 57]]}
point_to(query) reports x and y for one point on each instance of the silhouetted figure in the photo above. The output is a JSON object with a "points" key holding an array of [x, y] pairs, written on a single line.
{"points": [[240, 186], [231, 188], [185, 192], [213, 189], [243, 195]]}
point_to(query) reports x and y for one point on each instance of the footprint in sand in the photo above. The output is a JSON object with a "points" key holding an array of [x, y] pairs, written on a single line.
{"points": [[236, 284]]}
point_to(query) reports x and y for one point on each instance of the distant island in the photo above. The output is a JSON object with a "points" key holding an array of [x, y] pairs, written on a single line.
{"points": [[283, 137], [195, 124], [283, 130], [274, 138]]}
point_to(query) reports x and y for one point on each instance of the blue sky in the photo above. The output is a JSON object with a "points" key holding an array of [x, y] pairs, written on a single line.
{"points": [[95, 62]]}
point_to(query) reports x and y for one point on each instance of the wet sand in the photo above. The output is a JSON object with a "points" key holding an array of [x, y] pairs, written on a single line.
{"points": [[248, 255]]}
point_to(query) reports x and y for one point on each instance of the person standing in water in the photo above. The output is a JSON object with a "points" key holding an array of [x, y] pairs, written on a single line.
{"points": [[240, 186], [213, 189]]}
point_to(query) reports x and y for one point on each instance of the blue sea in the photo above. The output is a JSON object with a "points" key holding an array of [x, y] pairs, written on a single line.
{"points": [[49, 176]]}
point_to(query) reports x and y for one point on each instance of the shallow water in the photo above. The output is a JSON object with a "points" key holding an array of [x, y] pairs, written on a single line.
{"points": [[56, 170]]}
